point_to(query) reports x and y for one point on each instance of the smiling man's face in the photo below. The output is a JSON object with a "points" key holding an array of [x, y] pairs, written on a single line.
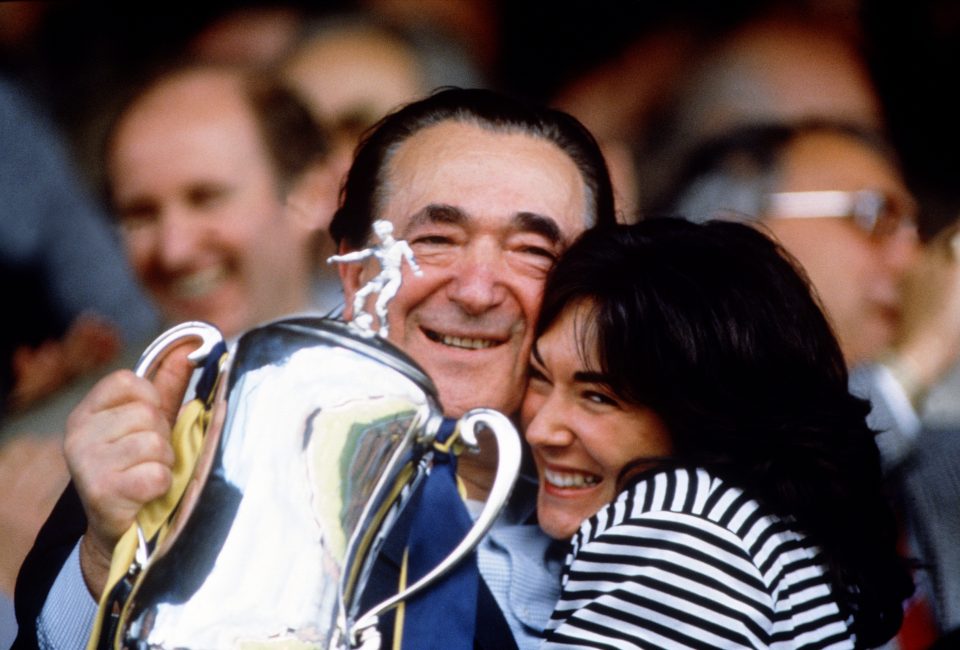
{"points": [[204, 221], [486, 214]]}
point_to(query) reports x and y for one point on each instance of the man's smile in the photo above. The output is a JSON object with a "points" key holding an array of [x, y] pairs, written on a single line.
{"points": [[464, 342], [197, 284]]}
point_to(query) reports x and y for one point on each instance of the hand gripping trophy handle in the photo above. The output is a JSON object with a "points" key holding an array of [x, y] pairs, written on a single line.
{"points": [[149, 361], [364, 631]]}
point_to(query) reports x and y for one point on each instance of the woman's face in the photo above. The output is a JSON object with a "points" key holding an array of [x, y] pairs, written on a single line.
{"points": [[581, 433]]}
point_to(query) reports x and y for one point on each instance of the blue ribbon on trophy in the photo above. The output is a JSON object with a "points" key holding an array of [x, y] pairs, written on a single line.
{"points": [[444, 616]]}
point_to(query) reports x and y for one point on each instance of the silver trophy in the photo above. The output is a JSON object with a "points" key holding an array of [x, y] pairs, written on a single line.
{"points": [[320, 433]]}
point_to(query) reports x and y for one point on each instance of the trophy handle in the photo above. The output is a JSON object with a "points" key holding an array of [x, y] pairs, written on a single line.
{"points": [[210, 337], [208, 334], [508, 468]]}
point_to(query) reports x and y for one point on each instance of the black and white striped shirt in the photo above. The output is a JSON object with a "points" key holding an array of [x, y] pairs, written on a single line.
{"points": [[684, 560]]}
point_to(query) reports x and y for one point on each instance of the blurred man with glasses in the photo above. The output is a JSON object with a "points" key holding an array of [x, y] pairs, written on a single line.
{"points": [[832, 194], [834, 197]]}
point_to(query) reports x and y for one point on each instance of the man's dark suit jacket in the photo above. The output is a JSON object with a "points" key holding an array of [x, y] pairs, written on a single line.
{"points": [[56, 539]]}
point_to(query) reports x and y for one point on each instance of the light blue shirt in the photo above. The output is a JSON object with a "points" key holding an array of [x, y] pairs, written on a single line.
{"points": [[521, 567], [69, 611]]}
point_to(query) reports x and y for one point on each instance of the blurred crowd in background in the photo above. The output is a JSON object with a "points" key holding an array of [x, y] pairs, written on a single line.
{"points": [[622, 67], [654, 82]]}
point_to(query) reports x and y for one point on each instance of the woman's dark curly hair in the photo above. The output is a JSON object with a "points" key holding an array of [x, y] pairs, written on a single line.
{"points": [[713, 328]]}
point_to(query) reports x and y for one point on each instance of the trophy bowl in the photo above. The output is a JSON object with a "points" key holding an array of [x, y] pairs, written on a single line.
{"points": [[319, 435]]}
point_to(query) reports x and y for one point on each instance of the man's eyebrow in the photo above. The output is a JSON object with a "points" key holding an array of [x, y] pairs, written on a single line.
{"points": [[437, 213], [539, 224]]}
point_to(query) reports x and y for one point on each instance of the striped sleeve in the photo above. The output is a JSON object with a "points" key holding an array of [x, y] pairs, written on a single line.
{"points": [[682, 562]]}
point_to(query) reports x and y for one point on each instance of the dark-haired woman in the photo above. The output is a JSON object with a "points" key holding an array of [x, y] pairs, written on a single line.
{"points": [[690, 420]]}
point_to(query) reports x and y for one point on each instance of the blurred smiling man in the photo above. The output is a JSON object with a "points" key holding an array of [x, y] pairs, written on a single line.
{"points": [[219, 183]]}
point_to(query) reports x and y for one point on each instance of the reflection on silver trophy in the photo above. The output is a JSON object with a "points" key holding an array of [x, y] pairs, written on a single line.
{"points": [[319, 434]]}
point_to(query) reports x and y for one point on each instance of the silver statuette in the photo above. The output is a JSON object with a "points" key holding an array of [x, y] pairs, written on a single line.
{"points": [[390, 254]]}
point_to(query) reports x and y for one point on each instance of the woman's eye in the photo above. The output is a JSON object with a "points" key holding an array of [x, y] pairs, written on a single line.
{"points": [[535, 375], [597, 397]]}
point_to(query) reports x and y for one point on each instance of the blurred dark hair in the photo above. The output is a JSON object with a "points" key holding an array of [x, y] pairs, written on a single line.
{"points": [[712, 327], [293, 139], [363, 192]]}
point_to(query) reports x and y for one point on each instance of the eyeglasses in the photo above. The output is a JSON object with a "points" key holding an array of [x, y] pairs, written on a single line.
{"points": [[876, 213]]}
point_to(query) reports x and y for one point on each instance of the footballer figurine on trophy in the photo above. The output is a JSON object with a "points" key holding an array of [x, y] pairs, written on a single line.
{"points": [[390, 254]]}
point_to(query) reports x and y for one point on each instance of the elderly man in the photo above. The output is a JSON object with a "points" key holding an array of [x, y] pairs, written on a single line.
{"points": [[488, 193]]}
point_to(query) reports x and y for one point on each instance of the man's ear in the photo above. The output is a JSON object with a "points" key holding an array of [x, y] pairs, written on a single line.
{"points": [[312, 200], [350, 278]]}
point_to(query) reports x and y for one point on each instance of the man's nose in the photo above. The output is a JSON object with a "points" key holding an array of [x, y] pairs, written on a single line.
{"points": [[179, 239], [478, 285], [900, 249]]}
